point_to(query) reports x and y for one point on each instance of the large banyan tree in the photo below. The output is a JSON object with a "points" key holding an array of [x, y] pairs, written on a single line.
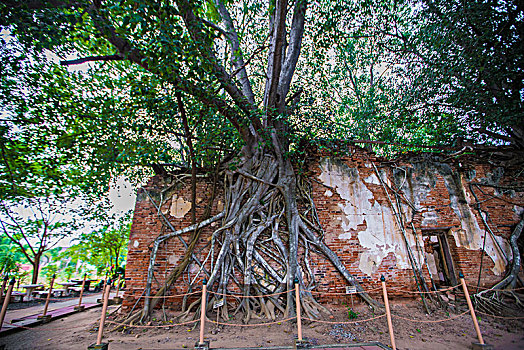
{"points": [[212, 86]]}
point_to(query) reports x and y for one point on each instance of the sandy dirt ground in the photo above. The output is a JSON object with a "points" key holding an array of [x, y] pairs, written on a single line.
{"points": [[78, 331]]}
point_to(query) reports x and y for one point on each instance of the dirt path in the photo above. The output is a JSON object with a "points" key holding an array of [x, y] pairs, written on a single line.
{"points": [[79, 331]]}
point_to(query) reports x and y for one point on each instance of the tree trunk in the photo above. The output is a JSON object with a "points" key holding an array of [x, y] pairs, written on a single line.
{"points": [[36, 268], [259, 239]]}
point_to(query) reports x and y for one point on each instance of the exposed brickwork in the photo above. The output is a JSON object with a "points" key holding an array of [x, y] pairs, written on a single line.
{"points": [[503, 209]]}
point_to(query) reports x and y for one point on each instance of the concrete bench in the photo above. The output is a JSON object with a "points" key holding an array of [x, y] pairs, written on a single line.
{"points": [[59, 293], [17, 297]]}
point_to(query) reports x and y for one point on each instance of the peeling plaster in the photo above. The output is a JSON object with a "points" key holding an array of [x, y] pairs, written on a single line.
{"points": [[381, 235], [179, 207], [471, 236], [421, 179]]}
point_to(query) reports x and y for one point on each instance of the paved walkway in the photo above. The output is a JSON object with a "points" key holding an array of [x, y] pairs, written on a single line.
{"points": [[28, 317], [356, 346]]}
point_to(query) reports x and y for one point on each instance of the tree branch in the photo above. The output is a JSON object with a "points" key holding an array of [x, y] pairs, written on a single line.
{"points": [[237, 56], [293, 52], [91, 59], [134, 55], [275, 54]]}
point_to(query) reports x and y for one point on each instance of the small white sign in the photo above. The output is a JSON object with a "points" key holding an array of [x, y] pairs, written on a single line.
{"points": [[218, 303], [351, 289]]}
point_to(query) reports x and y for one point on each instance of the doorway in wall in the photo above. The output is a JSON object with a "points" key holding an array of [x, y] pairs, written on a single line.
{"points": [[436, 245]]}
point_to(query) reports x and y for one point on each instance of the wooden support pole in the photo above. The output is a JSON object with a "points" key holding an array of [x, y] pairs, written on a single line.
{"points": [[471, 310], [203, 312], [6, 301], [49, 295], [299, 317], [4, 283], [388, 312], [103, 316], [118, 286], [105, 283], [82, 290]]}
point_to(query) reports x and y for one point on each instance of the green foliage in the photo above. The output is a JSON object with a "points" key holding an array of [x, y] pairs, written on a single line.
{"points": [[10, 255], [351, 313], [102, 248], [408, 72], [48, 271]]}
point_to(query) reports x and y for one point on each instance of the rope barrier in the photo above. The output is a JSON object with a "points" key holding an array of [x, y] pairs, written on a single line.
{"points": [[344, 293], [158, 326], [430, 292], [251, 325], [56, 299], [164, 296], [431, 321], [496, 290], [503, 317], [249, 296], [344, 322]]}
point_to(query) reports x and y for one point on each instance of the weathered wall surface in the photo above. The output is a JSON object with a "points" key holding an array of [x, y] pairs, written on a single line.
{"points": [[359, 207]]}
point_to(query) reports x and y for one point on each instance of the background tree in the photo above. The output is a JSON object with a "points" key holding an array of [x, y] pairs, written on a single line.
{"points": [[458, 63], [103, 247], [10, 256], [35, 231]]}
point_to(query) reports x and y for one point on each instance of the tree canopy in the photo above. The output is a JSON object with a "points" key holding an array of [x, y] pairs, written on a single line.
{"points": [[412, 72]]}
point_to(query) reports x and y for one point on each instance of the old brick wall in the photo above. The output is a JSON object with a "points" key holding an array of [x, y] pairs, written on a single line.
{"points": [[358, 220]]}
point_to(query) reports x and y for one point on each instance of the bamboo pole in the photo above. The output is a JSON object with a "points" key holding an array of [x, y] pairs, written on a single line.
{"points": [[103, 316], [49, 295], [82, 290], [6, 301], [388, 312], [471, 310], [203, 312], [297, 303]]}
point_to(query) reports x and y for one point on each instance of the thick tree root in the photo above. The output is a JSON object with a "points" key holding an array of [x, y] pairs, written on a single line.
{"points": [[269, 228]]}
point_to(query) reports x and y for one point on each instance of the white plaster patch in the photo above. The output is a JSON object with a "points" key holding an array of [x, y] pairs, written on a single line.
{"points": [[381, 235], [172, 259], [136, 244], [518, 210], [179, 207], [429, 218], [432, 264], [372, 179], [328, 193]]}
